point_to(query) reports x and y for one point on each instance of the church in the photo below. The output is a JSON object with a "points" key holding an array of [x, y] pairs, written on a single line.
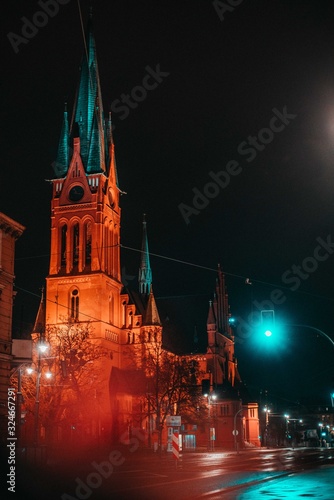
{"points": [[86, 304]]}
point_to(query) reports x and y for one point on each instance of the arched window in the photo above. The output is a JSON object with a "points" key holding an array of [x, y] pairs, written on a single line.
{"points": [[75, 244], [74, 305], [111, 308], [63, 238], [88, 242]]}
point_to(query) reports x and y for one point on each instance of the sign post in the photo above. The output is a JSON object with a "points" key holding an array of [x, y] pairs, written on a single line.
{"points": [[173, 423], [175, 444]]}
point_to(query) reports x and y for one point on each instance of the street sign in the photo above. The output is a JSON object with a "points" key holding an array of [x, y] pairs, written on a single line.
{"points": [[173, 421]]}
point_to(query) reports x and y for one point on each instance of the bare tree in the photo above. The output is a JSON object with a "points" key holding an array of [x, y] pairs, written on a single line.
{"points": [[173, 382], [69, 397]]}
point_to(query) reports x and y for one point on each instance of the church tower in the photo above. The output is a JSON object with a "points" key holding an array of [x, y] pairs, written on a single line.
{"points": [[221, 361], [84, 281]]}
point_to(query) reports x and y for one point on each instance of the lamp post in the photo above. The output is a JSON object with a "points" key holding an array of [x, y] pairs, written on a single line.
{"points": [[267, 411], [41, 349], [211, 397]]}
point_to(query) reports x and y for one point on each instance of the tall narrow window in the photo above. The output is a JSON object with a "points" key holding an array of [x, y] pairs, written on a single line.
{"points": [[75, 244], [111, 308], [63, 245], [74, 308], [88, 242]]}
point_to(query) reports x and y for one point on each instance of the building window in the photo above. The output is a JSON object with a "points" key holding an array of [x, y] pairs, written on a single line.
{"points": [[111, 308], [224, 410], [251, 412], [63, 245], [88, 242], [74, 308], [75, 244]]}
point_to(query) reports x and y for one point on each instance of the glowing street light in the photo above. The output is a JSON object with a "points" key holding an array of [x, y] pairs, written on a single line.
{"points": [[42, 347], [211, 398]]}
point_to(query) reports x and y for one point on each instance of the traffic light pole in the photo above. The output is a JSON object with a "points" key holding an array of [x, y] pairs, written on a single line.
{"points": [[316, 330]]}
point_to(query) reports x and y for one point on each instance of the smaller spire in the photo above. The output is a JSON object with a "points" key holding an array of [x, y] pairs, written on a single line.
{"points": [[211, 316], [152, 315], [145, 273]]}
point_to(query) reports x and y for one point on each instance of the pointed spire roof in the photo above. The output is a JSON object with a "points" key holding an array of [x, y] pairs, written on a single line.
{"points": [[145, 272], [152, 315], [88, 109], [87, 120], [211, 315]]}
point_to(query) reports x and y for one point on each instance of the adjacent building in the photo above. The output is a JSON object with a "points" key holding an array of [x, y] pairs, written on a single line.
{"points": [[10, 231]]}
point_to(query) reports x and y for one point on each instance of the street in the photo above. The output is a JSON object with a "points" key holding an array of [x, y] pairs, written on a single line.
{"points": [[202, 475]]}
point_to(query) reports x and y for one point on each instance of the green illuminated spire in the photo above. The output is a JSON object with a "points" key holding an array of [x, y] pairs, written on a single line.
{"points": [[145, 273], [87, 122], [88, 118]]}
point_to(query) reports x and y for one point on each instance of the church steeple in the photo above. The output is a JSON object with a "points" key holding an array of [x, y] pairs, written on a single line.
{"points": [[87, 121], [88, 109], [85, 207], [145, 273]]}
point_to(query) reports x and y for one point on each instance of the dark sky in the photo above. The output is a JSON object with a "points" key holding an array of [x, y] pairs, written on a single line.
{"points": [[224, 79]]}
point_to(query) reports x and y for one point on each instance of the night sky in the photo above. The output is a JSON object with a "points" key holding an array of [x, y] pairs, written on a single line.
{"points": [[225, 78]]}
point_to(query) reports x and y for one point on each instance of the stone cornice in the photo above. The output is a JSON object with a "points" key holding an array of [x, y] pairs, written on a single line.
{"points": [[10, 226]]}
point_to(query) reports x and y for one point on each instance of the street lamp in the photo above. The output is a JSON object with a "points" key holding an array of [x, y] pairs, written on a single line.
{"points": [[211, 397], [267, 411], [42, 347]]}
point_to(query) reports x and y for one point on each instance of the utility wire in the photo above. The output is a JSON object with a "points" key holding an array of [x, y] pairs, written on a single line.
{"points": [[199, 266]]}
